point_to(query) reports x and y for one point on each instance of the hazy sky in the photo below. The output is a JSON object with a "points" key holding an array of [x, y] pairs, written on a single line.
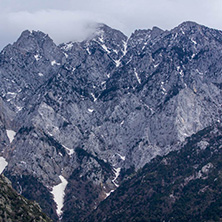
{"points": [[66, 20]]}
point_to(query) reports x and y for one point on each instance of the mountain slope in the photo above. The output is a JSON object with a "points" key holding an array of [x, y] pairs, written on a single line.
{"points": [[185, 185], [14, 207]]}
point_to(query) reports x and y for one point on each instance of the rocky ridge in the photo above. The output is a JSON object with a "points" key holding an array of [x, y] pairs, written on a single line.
{"points": [[93, 111]]}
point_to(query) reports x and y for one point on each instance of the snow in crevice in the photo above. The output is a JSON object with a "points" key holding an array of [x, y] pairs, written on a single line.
{"points": [[124, 48], [180, 71], [88, 51], [101, 38], [58, 193], [114, 50], [117, 62], [137, 76], [102, 43], [122, 157], [13, 94], [105, 48], [11, 135], [162, 88], [3, 164], [124, 51], [117, 172], [182, 31], [199, 72], [155, 65], [69, 151], [94, 98], [194, 54], [193, 41], [108, 194]]}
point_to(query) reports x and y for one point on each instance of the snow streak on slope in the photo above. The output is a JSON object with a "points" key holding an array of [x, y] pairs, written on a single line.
{"points": [[58, 192], [3, 164], [117, 172]]}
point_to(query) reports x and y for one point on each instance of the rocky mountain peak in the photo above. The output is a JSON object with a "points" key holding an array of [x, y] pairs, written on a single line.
{"points": [[88, 112], [32, 41]]}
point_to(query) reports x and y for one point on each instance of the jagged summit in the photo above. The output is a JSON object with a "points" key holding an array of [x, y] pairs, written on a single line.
{"points": [[32, 40], [87, 113], [189, 24]]}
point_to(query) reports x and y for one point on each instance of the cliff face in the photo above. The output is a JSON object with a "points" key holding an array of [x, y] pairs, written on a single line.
{"points": [[87, 112]]}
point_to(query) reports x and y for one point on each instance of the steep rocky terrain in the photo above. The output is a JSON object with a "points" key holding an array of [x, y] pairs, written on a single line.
{"points": [[83, 113], [14, 207], [184, 186]]}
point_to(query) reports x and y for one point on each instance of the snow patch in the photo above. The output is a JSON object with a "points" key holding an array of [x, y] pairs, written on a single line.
{"points": [[90, 110], [137, 76], [87, 49], [37, 57], [40, 74], [11, 135], [54, 63], [58, 192], [3, 164]]}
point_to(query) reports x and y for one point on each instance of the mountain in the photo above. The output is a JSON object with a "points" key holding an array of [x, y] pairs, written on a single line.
{"points": [[184, 185], [14, 207], [78, 118]]}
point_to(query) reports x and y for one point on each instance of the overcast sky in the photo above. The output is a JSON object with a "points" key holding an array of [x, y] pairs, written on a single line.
{"points": [[66, 20]]}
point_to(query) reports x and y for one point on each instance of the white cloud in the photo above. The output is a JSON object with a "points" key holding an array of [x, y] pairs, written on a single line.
{"points": [[66, 20], [61, 25]]}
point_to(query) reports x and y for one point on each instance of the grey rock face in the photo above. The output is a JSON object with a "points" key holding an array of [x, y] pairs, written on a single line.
{"points": [[86, 110]]}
